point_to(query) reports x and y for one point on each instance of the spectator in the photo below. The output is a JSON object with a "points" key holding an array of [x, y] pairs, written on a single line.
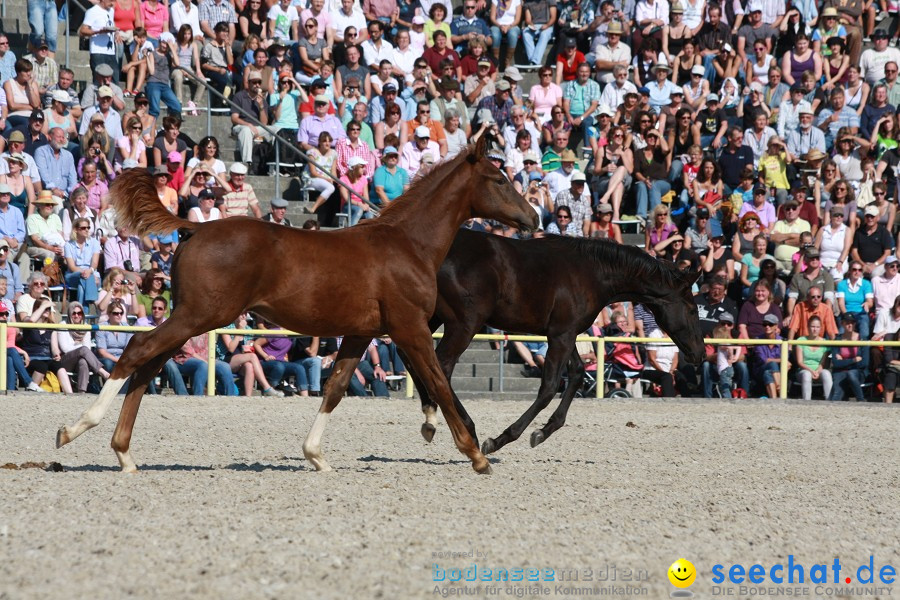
{"points": [[82, 254], [216, 57], [811, 361], [449, 89], [539, 20], [352, 146], [578, 203], [379, 104], [99, 26], [205, 209], [805, 137], [713, 304], [122, 251], [64, 83], [159, 85], [21, 188], [564, 224], [239, 197], [111, 344], [323, 159], [836, 116], [56, 165], [251, 108], [22, 94], [186, 13], [602, 226], [317, 123], [874, 109], [7, 60], [212, 14], [848, 363], [728, 357], [813, 276], [479, 85], [505, 19], [116, 289], [75, 354], [812, 306], [786, 235], [36, 344], [168, 197], [754, 312], [37, 290], [237, 351], [283, 23], [44, 230], [768, 357], [833, 241], [191, 361], [162, 258], [751, 262], [111, 117], [46, 71], [872, 244], [277, 213], [651, 173], [391, 180], [356, 204], [413, 152], [9, 272], [581, 99]]}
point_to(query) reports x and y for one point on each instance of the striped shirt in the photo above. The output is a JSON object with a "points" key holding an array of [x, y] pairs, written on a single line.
{"points": [[345, 151], [214, 13]]}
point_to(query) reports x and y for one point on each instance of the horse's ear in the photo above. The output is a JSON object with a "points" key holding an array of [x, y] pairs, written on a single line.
{"points": [[481, 148], [690, 276]]}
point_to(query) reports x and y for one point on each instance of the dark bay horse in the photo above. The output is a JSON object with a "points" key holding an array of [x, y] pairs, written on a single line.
{"points": [[364, 281], [555, 287]]}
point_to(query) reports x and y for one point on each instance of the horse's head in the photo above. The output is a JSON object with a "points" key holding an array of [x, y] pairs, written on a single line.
{"points": [[676, 313], [493, 195]]}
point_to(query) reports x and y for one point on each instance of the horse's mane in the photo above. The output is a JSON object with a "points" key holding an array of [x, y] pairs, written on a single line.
{"points": [[635, 263], [423, 189]]}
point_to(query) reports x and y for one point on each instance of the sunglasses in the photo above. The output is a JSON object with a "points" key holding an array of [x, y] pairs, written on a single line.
{"points": [[38, 284], [563, 217], [83, 228], [75, 313], [158, 308], [814, 297], [117, 313]]}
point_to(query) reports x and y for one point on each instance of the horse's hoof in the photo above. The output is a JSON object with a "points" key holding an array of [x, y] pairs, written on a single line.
{"points": [[428, 432], [485, 470], [537, 437], [489, 446], [62, 437]]}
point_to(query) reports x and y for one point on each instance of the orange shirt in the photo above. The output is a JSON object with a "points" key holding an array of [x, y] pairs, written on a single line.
{"points": [[802, 313]]}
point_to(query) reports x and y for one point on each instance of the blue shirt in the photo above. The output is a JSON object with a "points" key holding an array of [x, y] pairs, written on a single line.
{"points": [[113, 342], [8, 66], [660, 97], [12, 224], [461, 26], [56, 172], [392, 183], [83, 255], [13, 282], [853, 299]]}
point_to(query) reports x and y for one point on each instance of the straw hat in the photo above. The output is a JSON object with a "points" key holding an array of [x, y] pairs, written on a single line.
{"points": [[45, 197]]}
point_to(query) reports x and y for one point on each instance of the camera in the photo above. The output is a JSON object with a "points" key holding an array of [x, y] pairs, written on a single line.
{"points": [[128, 266]]}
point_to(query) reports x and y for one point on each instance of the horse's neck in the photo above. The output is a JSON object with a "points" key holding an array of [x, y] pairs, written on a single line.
{"points": [[621, 284]]}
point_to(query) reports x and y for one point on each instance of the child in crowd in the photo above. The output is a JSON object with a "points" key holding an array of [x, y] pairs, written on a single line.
{"points": [[726, 356], [689, 174], [138, 63]]}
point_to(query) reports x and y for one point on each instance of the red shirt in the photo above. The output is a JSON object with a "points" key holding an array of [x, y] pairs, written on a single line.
{"points": [[570, 71], [309, 107]]}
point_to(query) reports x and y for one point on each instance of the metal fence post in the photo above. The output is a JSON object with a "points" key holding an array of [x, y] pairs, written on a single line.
{"points": [[785, 364], [68, 8], [501, 362], [208, 112], [211, 365], [600, 351], [277, 168]]}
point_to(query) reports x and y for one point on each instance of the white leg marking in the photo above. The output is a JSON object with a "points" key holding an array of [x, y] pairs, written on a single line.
{"points": [[430, 415], [126, 462], [312, 448], [92, 416]]}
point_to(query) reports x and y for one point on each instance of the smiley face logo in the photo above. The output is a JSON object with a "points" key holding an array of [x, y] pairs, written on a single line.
{"points": [[682, 573]]}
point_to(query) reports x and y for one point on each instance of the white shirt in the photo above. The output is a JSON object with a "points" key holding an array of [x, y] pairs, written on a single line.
{"points": [[884, 323], [96, 18], [613, 96], [340, 22], [621, 53], [871, 63], [658, 10], [374, 55], [508, 16], [181, 16], [283, 21], [405, 60]]}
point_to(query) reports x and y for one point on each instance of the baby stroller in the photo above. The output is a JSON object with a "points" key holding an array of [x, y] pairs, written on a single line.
{"points": [[623, 363]]}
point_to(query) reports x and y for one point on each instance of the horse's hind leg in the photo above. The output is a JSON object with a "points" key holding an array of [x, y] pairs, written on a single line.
{"points": [[416, 342], [556, 358], [121, 440], [351, 350], [558, 418]]}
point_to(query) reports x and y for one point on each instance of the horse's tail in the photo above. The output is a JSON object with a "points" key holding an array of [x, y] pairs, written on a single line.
{"points": [[137, 205]]}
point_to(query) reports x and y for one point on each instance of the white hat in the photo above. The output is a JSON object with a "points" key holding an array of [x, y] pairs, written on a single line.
{"points": [[712, 98], [61, 96], [356, 161], [577, 176], [423, 132], [698, 70], [167, 37], [805, 109], [872, 211], [418, 20], [605, 110], [238, 169]]}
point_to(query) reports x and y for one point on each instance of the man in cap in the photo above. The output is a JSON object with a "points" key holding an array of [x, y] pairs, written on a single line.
{"points": [[103, 77], [99, 25], [559, 179], [873, 60], [786, 235], [805, 137], [467, 27], [735, 157], [7, 60], [378, 104], [607, 56], [105, 109], [436, 133], [240, 199], [449, 88], [836, 116], [43, 231], [580, 101], [416, 148], [320, 121], [872, 243], [754, 31], [251, 109], [56, 165], [34, 132], [17, 146], [807, 207], [217, 56], [479, 85], [886, 287], [711, 123], [46, 71], [576, 197], [814, 275], [316, 88], [278, 212], [614, 94], [875, 108], [500, 104], [789, 110], [390, 180]]}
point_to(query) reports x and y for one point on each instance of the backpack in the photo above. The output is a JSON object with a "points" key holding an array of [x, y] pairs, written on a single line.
{"points": [[51, 383]]}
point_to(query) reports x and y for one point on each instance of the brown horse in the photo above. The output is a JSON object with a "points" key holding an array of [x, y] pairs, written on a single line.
{"points": [[364, 281]]}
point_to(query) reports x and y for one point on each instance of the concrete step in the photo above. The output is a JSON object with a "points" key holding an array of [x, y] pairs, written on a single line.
{"points": [[492, 384], [479, 355], [489, 370]]}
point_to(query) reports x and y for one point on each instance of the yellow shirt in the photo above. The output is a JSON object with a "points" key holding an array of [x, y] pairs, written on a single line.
{"points": [[775, 169]]}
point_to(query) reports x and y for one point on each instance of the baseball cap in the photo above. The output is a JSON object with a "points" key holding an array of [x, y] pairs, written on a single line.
{"points": [[61, 96], [318, 82], [604, 208], [206, 193], [797, 88], [726, 317], [770, 319], [484, 61], [535, 176], [644, 90], [174, 157], [571, 42], [702, 213], [389, 87], [871, 211], [531, 156], [167, 37], [5, 189], [418, 20], [448, 84], [502, 85], [812, 252], [760, 189], [698, 70], [837, 210], [712, 98], [105, 92], [880, 34], [168, 239], [254, 76], [356, 161], [389, 150], [42, 43], [890, 260], [513, 73], [423, 132], [321, 99], [37, 115]]}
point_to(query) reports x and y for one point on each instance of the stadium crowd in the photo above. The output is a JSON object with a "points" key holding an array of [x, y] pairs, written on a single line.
{"points": [[756, 141]]}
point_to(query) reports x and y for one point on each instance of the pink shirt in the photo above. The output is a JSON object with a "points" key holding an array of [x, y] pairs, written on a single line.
{"points": [[155, 21], [545, 98], [323, 19], [359, 187]]}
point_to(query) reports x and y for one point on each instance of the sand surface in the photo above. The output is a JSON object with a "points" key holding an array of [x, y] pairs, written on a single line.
{"points": [[225, 506]]}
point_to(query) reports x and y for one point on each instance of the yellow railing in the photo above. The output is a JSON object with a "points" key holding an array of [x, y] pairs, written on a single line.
{"points": [[598, 342]]}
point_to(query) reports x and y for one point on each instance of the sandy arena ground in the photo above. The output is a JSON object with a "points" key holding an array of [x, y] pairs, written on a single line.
{"points": [[226, 507]]}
